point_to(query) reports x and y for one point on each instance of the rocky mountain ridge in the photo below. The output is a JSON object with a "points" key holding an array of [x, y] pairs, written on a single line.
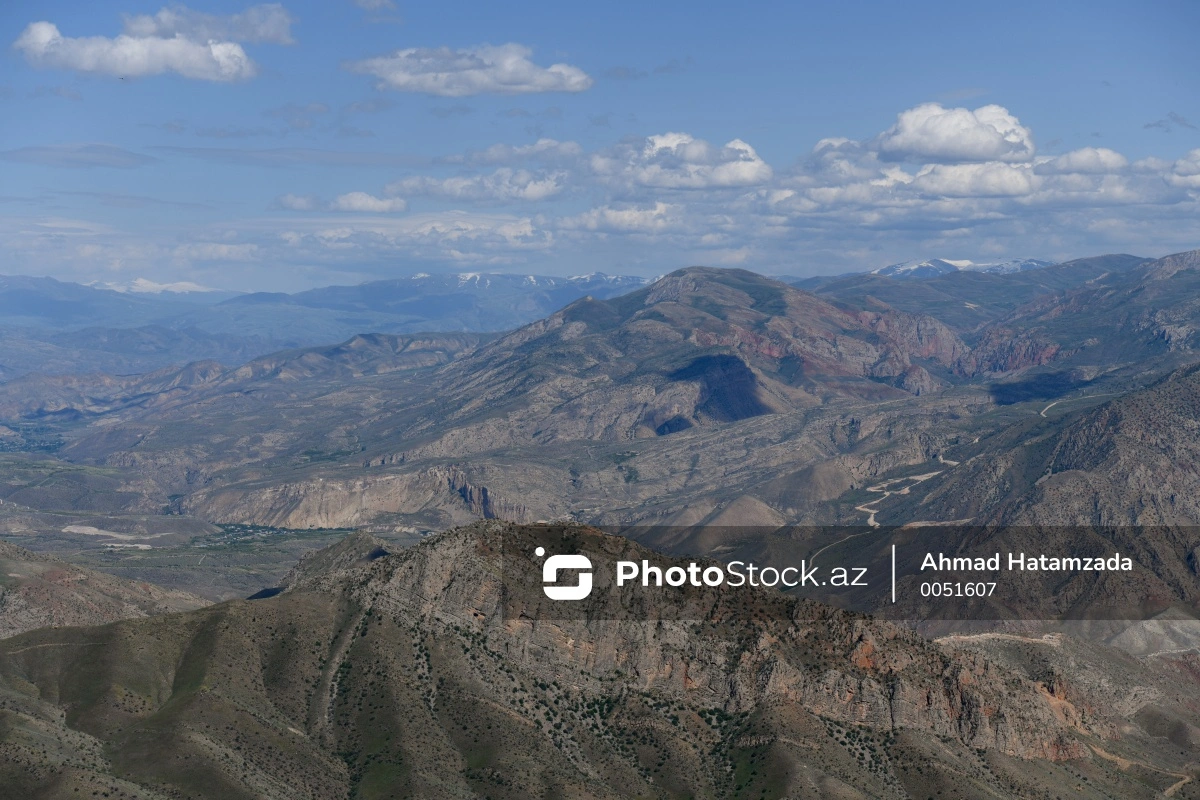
{"points": [[917, 269], [406, 667]]}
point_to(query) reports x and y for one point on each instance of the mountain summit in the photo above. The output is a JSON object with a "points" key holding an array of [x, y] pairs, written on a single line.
{"points": [[932, 267]]}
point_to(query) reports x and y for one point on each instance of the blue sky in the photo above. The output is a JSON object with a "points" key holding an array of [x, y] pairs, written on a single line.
{"points": [[282, 146]]}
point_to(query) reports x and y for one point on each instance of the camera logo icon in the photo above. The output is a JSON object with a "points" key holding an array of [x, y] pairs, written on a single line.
{"points": [[550, 571]]}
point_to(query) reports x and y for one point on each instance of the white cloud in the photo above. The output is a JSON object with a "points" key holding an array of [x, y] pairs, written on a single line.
{"points": [[503, 184], [1186, 171], [1086, 160], [363, 202], [543, 150], [457, 226], [488, 69], [147, 286], [135, 56], [265, 23], [992, 179], [659, 218], [932, 133], [680, 161], [955, 179], [452, 236], [653, 203], [856, 180]]}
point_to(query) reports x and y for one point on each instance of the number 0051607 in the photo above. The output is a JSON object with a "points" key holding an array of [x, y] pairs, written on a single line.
{"points": [[949, 589]]}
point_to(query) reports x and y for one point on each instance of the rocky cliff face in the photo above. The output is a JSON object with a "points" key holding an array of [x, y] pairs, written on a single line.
{"points": [[400, 675], [1002, 350]]}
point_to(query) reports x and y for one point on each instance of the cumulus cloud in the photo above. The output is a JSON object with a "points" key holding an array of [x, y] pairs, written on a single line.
{"points": [[488, 69], [502, 185], [659, 218], [363, 202], [265, 23], [1186, 171], [969, 165], [175, 40], [680, 161], [946, 178], [77, 155], [672, 199], [43, 45], [1087, 161], [992, 179], [457, 227], [930, 132]]}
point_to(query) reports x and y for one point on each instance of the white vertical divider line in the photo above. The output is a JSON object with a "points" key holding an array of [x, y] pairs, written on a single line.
{"points": [[893, 573]]}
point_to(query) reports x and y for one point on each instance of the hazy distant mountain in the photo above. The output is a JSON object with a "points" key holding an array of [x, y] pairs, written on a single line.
{"points": [[59, 327], [966, 299], [61, 305], [181, 289], [466, 301], [931, 268], [469, 301], [430, 295], [68, 397]]}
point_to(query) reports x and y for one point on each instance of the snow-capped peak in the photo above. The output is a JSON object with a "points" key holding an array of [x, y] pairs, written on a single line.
{"points": [[146, 286], [932, 267]]}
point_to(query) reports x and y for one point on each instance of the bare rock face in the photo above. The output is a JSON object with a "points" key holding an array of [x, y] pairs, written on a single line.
{"points": [[846, 668], [402, 675]]}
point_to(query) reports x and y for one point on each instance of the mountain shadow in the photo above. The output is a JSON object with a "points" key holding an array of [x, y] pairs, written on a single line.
{"points": [[729, 388]]}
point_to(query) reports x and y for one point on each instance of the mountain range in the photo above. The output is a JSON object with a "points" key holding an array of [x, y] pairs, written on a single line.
{"points": [[932, 267], [619, 410], [400, 675], [55, 327], [694, 416]]}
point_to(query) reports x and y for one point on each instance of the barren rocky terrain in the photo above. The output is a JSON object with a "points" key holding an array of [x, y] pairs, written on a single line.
{"points": [[37, 591], [384, 675], [706, 404]]}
